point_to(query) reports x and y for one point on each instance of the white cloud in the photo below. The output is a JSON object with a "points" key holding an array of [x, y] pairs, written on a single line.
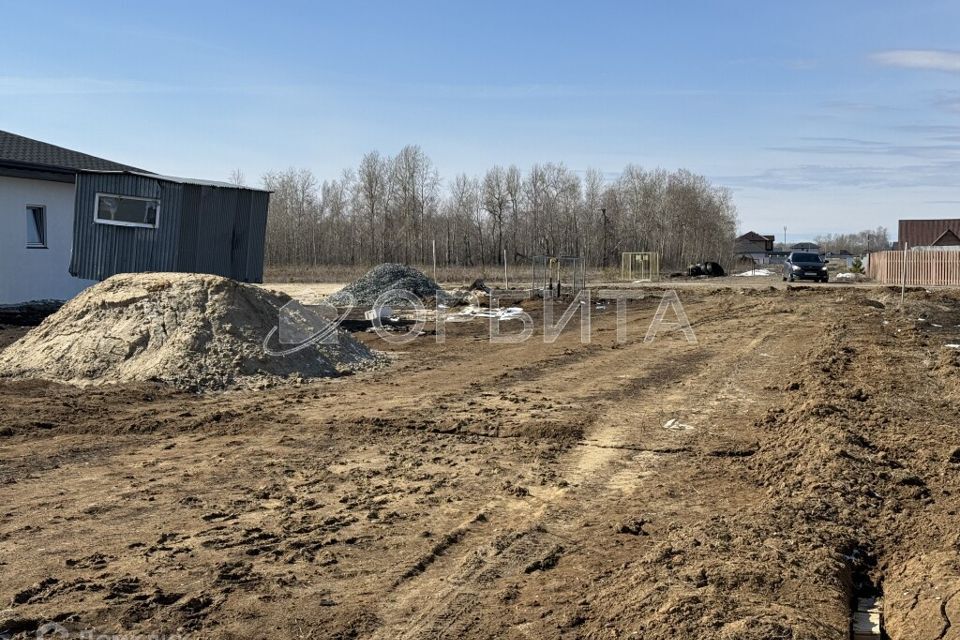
{"points": [[949, 102], [809, 177], [936, 59], [24, 86]]}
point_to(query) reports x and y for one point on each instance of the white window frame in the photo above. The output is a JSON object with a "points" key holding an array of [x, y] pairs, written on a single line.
{"points": [[29, 209], [123, 223]]}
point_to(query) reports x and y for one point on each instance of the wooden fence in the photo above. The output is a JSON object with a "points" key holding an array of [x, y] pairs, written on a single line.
{"points": [[924, 268]]}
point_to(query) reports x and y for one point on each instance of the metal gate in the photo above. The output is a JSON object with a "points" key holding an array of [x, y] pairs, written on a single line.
{"points": [[642, 266], [554, 277]]}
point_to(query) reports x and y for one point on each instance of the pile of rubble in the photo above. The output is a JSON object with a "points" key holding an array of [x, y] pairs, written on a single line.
{"points": [[381, 279]]}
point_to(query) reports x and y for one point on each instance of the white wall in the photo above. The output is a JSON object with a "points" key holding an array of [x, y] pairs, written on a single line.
{"points": [[36, 274]]}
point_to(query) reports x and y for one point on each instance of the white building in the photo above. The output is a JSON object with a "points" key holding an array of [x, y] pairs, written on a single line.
{"points": [[68, 219], [37, 196]]}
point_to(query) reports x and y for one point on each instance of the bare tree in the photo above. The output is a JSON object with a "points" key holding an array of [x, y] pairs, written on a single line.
{"points": [[861, 242], [393, 208], [496, 197], [370, 198]]}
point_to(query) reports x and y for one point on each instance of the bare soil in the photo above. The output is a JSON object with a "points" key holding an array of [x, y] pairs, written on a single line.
{"points": [[527, 490]]}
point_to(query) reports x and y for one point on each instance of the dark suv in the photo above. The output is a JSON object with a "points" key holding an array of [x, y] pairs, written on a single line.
{"points": [[805, 266]]}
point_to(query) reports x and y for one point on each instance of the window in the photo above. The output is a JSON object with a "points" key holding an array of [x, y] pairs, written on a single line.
{"points": [[127, 211], [36, 227]]}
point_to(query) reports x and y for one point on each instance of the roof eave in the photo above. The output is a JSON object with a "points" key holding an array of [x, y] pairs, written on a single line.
{"points": [[36, 171], [176, 180]]}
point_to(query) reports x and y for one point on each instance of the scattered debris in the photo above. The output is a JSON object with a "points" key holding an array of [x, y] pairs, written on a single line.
{"points": [[674, 424], [501, 313], [754, 272], [378, 312]]}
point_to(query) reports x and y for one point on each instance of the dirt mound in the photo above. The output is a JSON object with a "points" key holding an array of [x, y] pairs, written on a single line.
{"points": [[197, 332], [382, 278]]}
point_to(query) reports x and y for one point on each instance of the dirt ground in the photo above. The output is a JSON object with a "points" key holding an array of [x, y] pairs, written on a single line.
{"points": [[811, 453]]}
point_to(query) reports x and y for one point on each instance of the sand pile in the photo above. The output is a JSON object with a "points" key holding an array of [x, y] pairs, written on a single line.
{"points": [[385, 277], [197, 332]]}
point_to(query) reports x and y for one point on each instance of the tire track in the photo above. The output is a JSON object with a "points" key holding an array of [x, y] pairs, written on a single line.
{"points": [[609, 461]]}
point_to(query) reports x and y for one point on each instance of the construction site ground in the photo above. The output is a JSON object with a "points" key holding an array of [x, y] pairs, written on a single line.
{"points": [[804, 451]]}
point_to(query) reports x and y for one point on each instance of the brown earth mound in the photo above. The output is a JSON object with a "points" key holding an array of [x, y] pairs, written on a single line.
{"points": [[197, 332]]}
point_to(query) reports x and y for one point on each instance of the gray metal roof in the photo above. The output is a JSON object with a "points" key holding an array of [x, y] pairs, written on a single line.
{"points": [[20, 151], [202, 183]]}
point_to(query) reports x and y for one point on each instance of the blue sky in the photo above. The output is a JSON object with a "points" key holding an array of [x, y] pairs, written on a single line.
{"points": [[822, 116]]}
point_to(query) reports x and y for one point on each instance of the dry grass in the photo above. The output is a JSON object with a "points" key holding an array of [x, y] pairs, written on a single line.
{"points": [[517, 275]]}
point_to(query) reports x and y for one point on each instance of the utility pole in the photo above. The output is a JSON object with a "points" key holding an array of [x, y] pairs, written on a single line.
{"points": [[603, 212], [903, 274], [784, 237], [505, 269]]}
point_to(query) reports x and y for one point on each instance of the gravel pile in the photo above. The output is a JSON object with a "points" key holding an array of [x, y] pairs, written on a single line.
{"points": [[384, 277], [196, 332]]}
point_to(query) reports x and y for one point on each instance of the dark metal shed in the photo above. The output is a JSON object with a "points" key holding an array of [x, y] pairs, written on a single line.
{"points": [[129, 221]]}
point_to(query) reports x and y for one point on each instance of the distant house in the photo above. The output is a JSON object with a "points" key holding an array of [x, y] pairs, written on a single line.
{"points": [[805, 246], [68, 219], [754, 247], [842, 256], [929, 233], [753, 242]]}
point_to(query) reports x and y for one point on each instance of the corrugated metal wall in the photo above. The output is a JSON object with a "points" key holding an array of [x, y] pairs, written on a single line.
{"points": [[223, 232], [202, 229], [920, 233], [102, 250]]}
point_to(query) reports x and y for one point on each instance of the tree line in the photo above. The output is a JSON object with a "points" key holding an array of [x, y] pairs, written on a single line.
{"points": [[394, 208], [857, 243]]}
